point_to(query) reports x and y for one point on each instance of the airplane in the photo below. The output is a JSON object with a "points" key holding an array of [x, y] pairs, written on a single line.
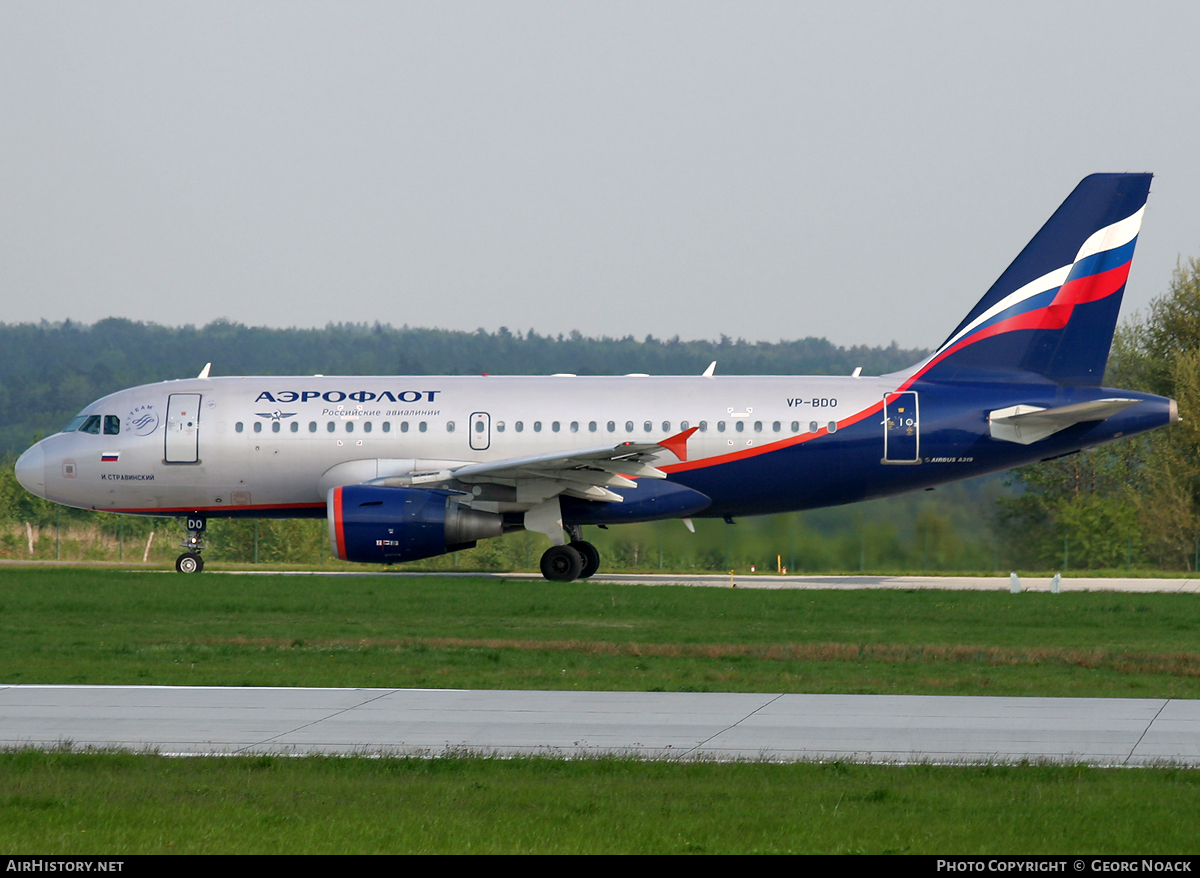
{"points": [[404, 468]]}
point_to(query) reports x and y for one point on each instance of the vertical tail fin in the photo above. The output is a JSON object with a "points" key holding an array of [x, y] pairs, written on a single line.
{"points": [[1053, 311]]}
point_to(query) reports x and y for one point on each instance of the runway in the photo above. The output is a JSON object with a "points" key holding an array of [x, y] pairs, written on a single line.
{"points": [[740, 579], [816, 582], [720, 726]]}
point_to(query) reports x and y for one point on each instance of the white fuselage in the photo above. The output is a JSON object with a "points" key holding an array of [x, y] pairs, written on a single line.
{"points": [[270, 443]]}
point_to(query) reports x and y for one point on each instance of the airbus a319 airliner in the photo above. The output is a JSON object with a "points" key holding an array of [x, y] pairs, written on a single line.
{"points": [[411, 467]]}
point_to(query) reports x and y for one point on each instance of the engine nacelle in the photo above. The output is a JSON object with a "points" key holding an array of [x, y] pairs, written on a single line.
{"points": [[389, 525]]}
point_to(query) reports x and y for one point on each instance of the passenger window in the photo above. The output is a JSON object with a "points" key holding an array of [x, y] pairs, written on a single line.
{"points": [[795, 426], [833, 426], [574, 426], [238, 426], [295, 426], [720, 426], [449, 426], [91, 425], [275, 426], [404, 426], [647, 426], [112, 425], [612, 426], [499, 426], [479, 426], [349, 426], [520, 426], [423, 426], [367, 427], [387, 426], [776, 426], [331, 426], [704, 426], [554, 426], [629, 426], [312, 427], [683, 425], [666, 426], [813, 426], [739, 426], [537, 426], [258, 426], [591, 426]]}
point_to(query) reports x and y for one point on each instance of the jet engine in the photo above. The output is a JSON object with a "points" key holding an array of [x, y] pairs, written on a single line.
{"points": [[389, 525]]}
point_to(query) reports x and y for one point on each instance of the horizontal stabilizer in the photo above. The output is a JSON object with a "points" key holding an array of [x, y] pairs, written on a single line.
{"points": [[1026, 424]]}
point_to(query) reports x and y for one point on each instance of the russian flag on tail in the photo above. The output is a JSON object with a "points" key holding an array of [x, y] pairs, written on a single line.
{"points": [[1053, 312]]}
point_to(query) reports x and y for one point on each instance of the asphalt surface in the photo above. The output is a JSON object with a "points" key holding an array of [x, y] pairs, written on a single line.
{"points": [[432, 722], [773, 581], [741, 579]]}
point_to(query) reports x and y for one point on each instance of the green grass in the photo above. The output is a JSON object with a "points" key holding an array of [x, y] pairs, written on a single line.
{"points": [[114, 627], [133, 804]]}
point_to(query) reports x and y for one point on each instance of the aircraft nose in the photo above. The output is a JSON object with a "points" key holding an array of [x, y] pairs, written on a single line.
{"points": [[31, 470]]}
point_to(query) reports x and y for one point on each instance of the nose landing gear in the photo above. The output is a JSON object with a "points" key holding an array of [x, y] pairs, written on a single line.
{"points": [[190, 561]]}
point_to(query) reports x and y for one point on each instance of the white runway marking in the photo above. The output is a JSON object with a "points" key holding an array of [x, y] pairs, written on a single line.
{"points": [[877, 728]]}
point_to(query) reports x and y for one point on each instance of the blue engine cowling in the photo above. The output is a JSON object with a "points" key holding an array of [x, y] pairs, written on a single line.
{"points": [[380, 525]]}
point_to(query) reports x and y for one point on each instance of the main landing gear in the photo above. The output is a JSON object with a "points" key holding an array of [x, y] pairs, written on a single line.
{"points": [[577, 560], [190, 561]]}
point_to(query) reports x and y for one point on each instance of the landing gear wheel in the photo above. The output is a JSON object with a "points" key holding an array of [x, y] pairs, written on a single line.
{"points": [[192, 545], [590, 555], [189, 562], [561, 564]]}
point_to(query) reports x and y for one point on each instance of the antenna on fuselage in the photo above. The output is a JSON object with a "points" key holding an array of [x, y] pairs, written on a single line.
{"points": [[204, 371]]}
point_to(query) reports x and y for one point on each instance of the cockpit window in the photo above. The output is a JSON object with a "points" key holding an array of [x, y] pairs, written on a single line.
{"points": [[91, 425], [74, 425], [112, 425]]}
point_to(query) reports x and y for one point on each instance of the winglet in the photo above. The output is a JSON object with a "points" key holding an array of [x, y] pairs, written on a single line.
{"points": [[677, 444], [712, 367], [204, 371]]}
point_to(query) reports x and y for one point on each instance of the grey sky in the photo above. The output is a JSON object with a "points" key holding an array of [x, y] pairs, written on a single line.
{"points": [[859, 171]]}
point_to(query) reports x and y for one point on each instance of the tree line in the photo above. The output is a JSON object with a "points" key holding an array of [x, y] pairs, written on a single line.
{"points": [[49, 371]]}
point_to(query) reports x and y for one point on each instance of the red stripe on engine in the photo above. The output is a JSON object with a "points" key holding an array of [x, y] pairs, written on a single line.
{"points": [[339, 548]]}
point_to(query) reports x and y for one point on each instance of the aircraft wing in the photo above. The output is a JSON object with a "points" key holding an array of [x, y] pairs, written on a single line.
{"points": [[587, 473]]}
